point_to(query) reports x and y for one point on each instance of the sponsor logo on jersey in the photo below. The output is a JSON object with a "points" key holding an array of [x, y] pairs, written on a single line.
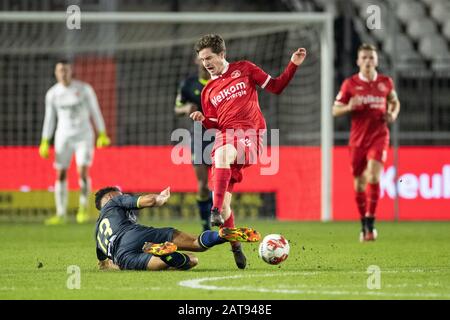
{"points": [[235, 74], [237, 90], [359, 88], [374, 101], [382, 87]]}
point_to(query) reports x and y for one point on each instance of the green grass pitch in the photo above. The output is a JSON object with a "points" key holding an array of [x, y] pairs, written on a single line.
{"points": [[326, 262]]}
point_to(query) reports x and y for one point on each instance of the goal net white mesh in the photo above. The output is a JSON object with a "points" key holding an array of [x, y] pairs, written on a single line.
{"points": [[136, 67]]}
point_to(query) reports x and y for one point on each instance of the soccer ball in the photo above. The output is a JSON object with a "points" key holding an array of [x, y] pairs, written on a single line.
{"points": [[274, 249]]}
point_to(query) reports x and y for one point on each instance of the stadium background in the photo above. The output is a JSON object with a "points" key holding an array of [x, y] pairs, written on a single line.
{"points": [[136, 86]]}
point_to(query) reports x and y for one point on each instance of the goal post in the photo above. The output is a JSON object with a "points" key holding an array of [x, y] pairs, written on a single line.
{"points": [[143, 58]]}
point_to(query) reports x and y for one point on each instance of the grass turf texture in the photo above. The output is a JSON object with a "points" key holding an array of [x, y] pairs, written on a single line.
{"points": [[326, 262]]}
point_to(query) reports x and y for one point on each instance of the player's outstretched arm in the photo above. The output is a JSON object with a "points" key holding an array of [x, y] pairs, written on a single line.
{"points": [[154, 200], [48, 127], [277, 85]]}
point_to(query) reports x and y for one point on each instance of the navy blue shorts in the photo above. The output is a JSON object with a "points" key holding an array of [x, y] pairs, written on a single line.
{"points": [[201, 148], [129, 254]]}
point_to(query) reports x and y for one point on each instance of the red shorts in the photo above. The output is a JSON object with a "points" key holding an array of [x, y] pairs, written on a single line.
{"points": [[361, 155], [248, 146]]}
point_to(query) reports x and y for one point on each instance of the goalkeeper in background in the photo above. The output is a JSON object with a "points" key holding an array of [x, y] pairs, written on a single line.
{"points": [[69, 105], [187, 101]]}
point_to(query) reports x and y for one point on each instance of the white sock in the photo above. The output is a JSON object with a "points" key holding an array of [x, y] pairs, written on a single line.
{"points": [[85, 188], [61, 193]]}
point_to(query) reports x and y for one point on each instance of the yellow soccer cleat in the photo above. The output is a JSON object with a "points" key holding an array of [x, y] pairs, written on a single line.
{"points": [[239, 234], [159, 249], [55, 220], [82, 215]]}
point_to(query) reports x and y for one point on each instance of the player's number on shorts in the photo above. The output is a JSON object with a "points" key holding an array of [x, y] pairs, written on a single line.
{"points": [[104, 229]]}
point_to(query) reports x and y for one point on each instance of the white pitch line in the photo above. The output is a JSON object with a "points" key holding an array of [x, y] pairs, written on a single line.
{"points": [[198, 284]]}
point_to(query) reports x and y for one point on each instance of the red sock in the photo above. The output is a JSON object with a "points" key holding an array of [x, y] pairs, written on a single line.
{"points": [[222, 178], [361, 203], [229, 223], [373, 196]]}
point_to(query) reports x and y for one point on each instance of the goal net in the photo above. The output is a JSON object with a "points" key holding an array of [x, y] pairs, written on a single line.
{"points": [[135, 63]]}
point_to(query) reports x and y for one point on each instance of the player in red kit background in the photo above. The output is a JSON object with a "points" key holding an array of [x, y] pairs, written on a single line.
{"points": [[230, 104], [371, 100]]}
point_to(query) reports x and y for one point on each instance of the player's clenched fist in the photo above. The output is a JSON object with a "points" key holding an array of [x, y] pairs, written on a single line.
{"points": [[299, 56], [197, 116]]}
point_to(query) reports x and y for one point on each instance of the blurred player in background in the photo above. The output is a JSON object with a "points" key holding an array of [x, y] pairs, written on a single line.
{"points": [[123, 244], [69, 105], [370, 98], [230, 102], [187, 101]]}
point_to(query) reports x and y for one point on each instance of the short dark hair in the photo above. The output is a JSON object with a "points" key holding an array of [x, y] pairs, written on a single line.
{"points": [[213, 41], [62, 61], [101, 193], [368, 47]]}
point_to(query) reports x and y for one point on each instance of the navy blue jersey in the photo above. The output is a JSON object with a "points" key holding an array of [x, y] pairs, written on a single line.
{"points": [[190, 90], [117, 217]]}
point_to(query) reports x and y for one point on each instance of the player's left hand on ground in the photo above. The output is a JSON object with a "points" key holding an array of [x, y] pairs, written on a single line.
{"points": [[162, 197], [299, 56], [103, 140]]}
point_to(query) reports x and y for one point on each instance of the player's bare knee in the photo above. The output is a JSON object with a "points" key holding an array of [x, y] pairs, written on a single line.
{"points": [[360, 184], [373, 179], [225, 155]]}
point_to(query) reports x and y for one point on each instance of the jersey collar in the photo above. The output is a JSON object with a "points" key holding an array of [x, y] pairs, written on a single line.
{"points": [[362, 78], [225, 69]]}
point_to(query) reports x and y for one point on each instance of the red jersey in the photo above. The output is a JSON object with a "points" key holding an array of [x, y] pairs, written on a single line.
{"points": [[368, 123], [230, 100]]}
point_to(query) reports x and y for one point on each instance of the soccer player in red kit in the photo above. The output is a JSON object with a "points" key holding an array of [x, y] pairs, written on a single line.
{"points": [[371, 100], [230, 104]]}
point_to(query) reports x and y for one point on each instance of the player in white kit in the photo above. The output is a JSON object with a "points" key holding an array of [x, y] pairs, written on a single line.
{"points": [[69, 105]]}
